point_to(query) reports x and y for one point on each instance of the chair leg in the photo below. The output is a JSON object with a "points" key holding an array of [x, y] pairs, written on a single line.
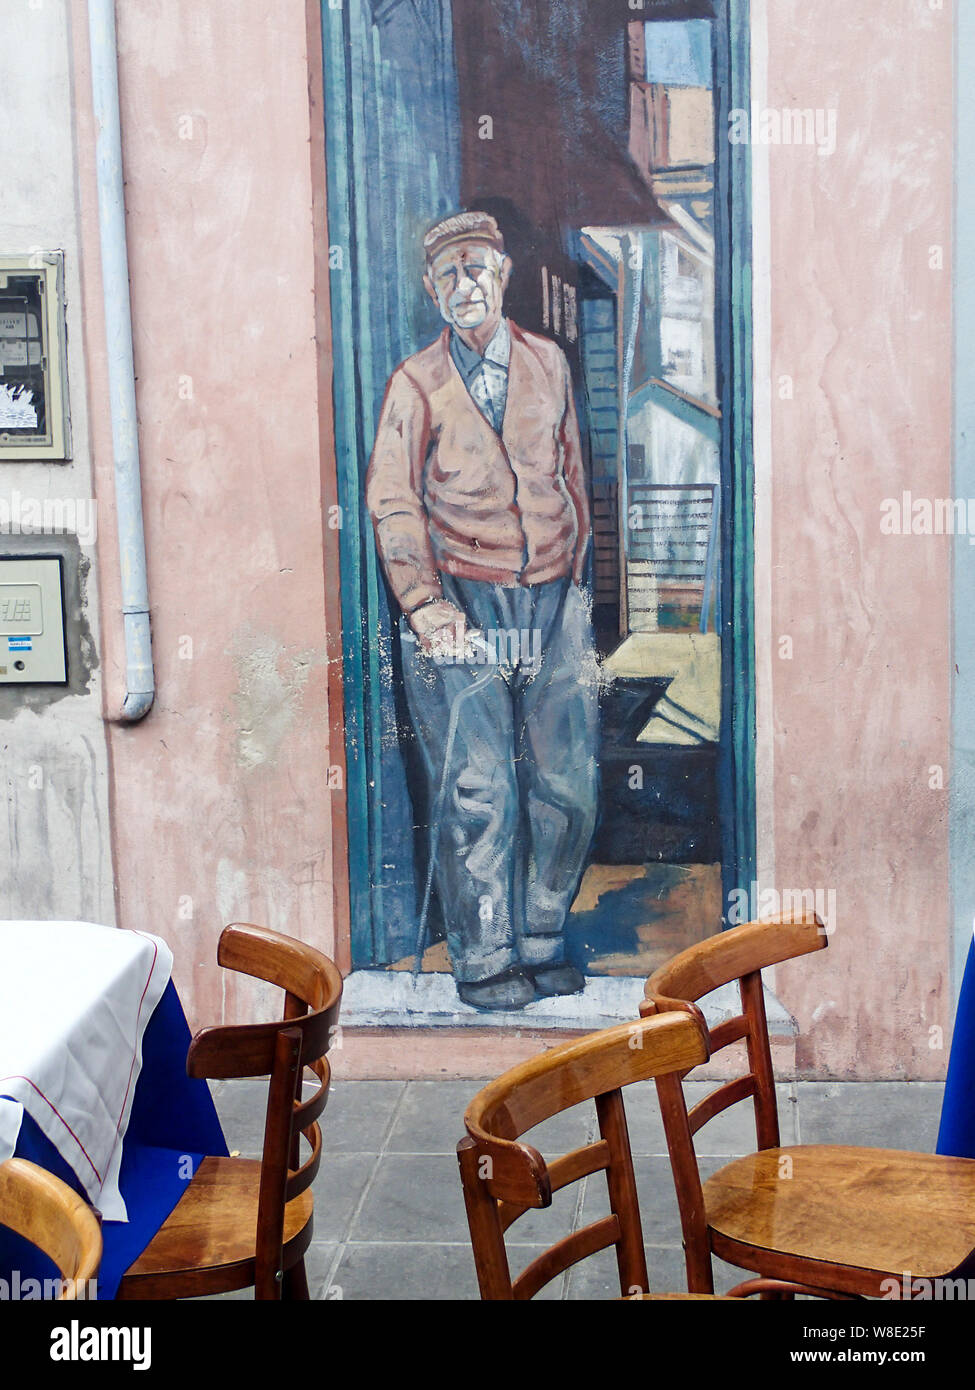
{"points": [[296, 1283]]}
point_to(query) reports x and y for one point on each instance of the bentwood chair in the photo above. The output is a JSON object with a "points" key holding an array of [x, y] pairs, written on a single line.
{"points": [[823, 1219], [244, 1222], [504, 1178], [46, 1212]]}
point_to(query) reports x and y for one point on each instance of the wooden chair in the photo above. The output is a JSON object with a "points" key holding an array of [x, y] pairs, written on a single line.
{"points": [[504, 1178], [822, 1219], [249, 1222], [45, 1211]]}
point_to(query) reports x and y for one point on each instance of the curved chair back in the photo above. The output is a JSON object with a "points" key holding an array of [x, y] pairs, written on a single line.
{"points": [[741, 954], [282, 1050], [504, 1178], [45, 1211]]}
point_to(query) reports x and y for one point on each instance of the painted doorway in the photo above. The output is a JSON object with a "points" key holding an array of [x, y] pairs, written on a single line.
{"points": [[634, 260]]}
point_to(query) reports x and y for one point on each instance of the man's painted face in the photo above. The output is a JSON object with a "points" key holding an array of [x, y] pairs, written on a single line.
{"points": [[468, 282]]}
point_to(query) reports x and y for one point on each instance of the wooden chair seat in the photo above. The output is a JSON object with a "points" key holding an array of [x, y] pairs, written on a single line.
{"points": [[863, 1212], [211, 1234], [828, 1220]]}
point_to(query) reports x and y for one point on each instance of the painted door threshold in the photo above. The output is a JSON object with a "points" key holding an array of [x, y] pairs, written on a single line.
{"points": [[391, 999]]}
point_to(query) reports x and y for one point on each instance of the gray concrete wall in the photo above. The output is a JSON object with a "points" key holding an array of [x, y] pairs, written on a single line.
{"points": [[55, 847]]}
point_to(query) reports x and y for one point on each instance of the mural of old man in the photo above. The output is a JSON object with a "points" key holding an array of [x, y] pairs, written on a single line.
{"points": [[478, 499]]}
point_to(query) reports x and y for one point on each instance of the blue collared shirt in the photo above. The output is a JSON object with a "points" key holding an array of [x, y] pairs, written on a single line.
{"points": [[486, 378]]}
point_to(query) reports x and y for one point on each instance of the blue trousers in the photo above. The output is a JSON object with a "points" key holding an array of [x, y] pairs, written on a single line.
{"points": [[510, 736]]}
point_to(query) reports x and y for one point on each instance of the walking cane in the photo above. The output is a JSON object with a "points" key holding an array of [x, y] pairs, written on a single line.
{"points": [[452, 722]]}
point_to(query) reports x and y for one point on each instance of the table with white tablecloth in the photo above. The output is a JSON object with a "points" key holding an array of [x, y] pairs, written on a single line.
{"points": [[93, 1082]]}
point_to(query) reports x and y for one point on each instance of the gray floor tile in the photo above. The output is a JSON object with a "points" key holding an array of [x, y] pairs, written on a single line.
{"points": [[319, 1259], [668, 1271], [594, 1279], [431, 1117], [562, 1133], [388, 1271], [643, 1119], [419, 1198], [598, 1279], [875, 1114], [729, 1134], [549, 1225], [431, 1120], [340, 1183], [413, 1198], [355, 1119], [241, 1109], [520, 1257], [658, 1205], [727, 1276], [659, 1213], [787, 1100], [358, 1113], [666, 1268]]}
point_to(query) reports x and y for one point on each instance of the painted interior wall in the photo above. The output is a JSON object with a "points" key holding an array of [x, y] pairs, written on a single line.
{"points": [[861, 323]]}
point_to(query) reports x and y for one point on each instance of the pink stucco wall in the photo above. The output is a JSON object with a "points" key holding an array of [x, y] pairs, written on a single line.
{"points": [[220, 804], [861, 321]]}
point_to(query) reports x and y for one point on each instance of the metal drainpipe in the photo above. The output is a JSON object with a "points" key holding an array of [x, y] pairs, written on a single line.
{"points": [[139, 680]]}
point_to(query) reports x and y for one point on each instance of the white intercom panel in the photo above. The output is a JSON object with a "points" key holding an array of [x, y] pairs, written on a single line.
{"points": [[32, 648]]}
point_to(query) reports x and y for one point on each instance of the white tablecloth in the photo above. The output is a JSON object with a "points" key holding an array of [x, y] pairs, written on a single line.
{"points": [[75, 999]]}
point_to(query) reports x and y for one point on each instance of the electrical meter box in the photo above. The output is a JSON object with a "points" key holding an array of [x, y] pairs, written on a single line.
{"points": [[34, 418], [32, 643]]}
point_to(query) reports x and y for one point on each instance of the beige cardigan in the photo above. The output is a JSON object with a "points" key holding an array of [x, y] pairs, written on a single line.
{"points": [[447, 494]]}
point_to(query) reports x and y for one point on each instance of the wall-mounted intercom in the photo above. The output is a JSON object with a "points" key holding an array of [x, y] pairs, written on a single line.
{"points": [[32, 636]]}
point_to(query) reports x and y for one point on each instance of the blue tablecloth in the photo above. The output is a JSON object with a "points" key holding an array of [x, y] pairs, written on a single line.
{"points": [[957, 1133], [172, 1126]]}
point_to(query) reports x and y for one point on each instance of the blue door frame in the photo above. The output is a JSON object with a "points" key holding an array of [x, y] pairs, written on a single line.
{"points": [[377, 210], [733, 314]]}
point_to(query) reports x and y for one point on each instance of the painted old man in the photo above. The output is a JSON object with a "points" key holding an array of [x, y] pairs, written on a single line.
{"points": [[478, 498]]}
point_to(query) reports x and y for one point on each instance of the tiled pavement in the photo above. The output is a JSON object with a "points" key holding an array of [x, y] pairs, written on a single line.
{"points": [[389, 1214]]}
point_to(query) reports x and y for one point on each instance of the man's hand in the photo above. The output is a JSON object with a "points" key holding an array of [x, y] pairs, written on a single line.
{"points": [[440, 629]]}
